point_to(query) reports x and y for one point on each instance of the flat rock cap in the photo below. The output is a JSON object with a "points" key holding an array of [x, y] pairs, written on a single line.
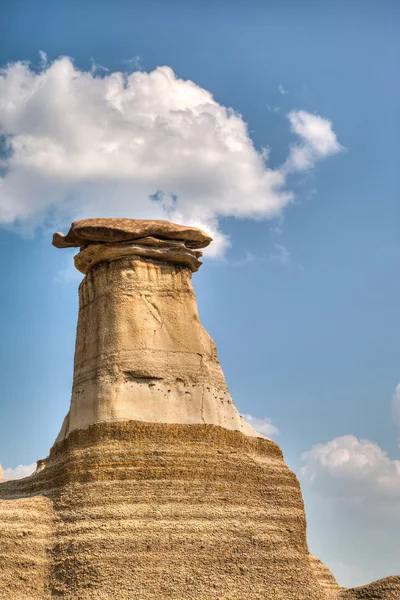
{"points": [[89, 231]]}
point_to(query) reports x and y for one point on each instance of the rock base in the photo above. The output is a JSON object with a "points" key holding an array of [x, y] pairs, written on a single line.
{"points": [[148, 511]]}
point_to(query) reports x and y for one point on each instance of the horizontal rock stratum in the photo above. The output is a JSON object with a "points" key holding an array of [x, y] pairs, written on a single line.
{"points": [[156, 487]]}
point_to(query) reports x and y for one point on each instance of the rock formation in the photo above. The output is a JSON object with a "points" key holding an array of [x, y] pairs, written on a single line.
{"points": [[141, 352], [156, 487]]}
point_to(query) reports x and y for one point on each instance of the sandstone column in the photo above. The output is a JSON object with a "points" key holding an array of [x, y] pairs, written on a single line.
{"points": [[141, 351]]}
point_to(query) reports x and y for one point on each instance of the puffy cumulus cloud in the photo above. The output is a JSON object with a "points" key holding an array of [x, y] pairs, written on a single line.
{"points": [[318, 140], [147, 145], [263, 426], [20, 471], [352, 468], [353, 491]]}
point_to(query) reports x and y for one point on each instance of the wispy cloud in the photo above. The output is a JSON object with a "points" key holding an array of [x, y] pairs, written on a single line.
{"points": [[274, 109], [135, 63], [281, 255], [248, 258], [262, 425], [20, 471], [97, 68], [43, 59], [282, 90]]}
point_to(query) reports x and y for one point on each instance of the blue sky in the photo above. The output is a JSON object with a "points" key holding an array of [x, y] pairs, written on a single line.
{"points": [[303, 306]]}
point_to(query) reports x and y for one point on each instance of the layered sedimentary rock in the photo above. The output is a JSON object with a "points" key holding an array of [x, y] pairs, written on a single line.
{"points": [[156, 487], [325, 578], [144, 510], [388, 588]]}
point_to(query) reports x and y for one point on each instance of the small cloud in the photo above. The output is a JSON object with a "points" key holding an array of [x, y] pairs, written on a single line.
{"points": [[274, 109], [318, 140], [282, 90], [353, 469], [97, 67], [263, 426], [136, 62], [43, 59], [20, 471], [359, 486], [265, 152], [281, 255]]}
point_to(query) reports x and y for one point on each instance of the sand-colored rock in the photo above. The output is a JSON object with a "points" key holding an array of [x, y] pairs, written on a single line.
{"points": [[26, 537], [156, 487], [388, 589], [383, 589], [141, 351], [114, 231], [161, 250], [325, 578], [150, 511]]}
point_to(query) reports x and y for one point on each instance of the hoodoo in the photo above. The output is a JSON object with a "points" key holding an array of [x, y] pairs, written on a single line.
{"points": [[156, 487], [141, 351]]}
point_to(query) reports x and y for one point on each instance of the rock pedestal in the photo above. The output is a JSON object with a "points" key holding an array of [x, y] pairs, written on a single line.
{"points": [[141, 351], [156, 487]]}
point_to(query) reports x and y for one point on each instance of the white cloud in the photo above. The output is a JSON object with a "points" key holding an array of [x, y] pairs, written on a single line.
{"points": [[282, 90], [263, 426], [20, 471], [318, 140], [135, 63], [357, 470], [145, 145], [43, 59], [355, 491], [396, 406]]}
